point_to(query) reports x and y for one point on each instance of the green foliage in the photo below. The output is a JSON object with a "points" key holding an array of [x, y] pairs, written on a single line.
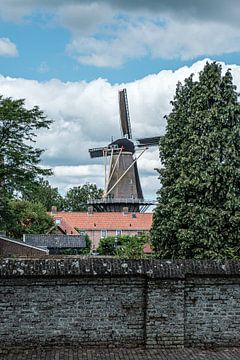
{"points": [[19, 157], [130, 247], [77, 197], [198, 211], [108, 245], [41, 191], [87, 249], [27, 218]]}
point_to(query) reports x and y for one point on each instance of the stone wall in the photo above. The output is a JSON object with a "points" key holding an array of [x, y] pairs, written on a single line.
{"points": [[104, 302]]}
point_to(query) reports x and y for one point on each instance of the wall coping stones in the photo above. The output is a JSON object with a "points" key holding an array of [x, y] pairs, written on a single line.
{"points": [[109, 267]]}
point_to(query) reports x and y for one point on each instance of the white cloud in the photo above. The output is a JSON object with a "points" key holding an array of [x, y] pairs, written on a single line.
{"points": [[174, 39], [7, 48], [108, 33], [84, 18], [86, 115]]}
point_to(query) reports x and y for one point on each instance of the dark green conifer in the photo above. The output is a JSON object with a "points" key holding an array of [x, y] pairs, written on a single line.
{"points": [[198, 211]]}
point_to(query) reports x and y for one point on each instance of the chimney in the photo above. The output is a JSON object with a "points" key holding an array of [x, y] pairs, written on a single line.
{"points": [[125, 210], [54, 210]]}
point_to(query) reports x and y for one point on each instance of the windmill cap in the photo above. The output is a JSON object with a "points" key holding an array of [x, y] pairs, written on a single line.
{"points": [[126, 144]]}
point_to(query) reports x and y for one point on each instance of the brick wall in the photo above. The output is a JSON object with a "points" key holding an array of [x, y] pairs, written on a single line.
{"points": [[104, 302], [10, 248]]}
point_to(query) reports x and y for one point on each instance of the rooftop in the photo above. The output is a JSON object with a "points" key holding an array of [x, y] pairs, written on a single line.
{"points": [[104, 220]]}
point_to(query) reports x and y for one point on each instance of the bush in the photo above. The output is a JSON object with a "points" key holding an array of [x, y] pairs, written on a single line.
{"points": [[129, 247]]}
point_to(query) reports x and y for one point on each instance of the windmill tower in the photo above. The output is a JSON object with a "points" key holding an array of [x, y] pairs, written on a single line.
{"points": [[122, 183]]}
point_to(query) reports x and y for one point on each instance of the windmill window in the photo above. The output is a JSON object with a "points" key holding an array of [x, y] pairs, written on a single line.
{"points": [[103, 233]]}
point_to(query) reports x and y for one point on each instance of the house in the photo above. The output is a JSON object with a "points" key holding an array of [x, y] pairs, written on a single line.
{"points": [[11, 247], [98, 225]]}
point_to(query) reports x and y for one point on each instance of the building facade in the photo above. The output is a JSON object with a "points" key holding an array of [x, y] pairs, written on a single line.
{"points": [[98, 225]]}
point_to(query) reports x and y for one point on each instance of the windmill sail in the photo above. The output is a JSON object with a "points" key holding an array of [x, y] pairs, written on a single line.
{"points": [[96, 152], [149, 141], [124, 114]]}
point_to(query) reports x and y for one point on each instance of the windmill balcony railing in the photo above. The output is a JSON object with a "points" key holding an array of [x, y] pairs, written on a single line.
{"points": [[121, 200]]}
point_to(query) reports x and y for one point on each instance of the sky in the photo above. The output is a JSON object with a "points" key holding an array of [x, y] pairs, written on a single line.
{"points": [[70, 57]]}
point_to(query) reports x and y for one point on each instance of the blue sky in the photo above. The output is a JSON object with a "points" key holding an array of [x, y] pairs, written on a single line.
{"points": [[117, 40], [42, 56], [93, 48]]}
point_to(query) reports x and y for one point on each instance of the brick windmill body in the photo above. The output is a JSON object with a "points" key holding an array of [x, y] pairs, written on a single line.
{"points": [[122, 183]]}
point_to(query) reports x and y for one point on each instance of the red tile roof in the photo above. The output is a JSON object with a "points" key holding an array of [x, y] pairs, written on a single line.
{"points": [[65, 226], [105, 220]]}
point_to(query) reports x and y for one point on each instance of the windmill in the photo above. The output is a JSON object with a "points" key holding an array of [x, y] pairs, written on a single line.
{"points": [[122, 183]]}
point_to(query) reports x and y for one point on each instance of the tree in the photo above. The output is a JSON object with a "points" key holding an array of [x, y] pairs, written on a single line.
{"points": [[77, 197], [19, 157], [133, 249], [26, 217], [198, 210], [108, 245], [41, 191], [128, 247]]}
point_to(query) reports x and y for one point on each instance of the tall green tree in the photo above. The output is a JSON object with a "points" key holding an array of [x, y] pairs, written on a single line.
{"points": [[77, 197], [27, 218], [198, 210], [41, 191], [19, 156]]}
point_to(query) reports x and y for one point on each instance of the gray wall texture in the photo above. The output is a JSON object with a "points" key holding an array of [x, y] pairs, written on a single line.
{"points": [[103, 302]]}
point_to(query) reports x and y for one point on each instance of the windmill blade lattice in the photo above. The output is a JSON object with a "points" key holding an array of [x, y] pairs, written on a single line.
{"points": [[149, 141], [124, 114]]}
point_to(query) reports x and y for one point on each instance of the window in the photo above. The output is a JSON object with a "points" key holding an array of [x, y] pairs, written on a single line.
{"points": [[82, 232], [103, 233], [118, 232]]}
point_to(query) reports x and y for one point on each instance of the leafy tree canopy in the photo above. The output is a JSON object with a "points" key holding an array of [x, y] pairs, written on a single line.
{"points": [[19, 157], [77, 197], [26, 217], [198, 211], [129, 247], [41, 191]]}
